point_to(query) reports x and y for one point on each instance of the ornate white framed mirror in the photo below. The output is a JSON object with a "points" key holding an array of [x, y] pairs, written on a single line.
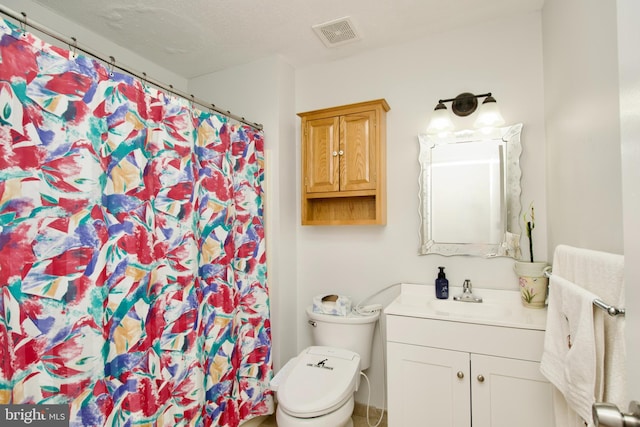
{"points": [[470, 192]]}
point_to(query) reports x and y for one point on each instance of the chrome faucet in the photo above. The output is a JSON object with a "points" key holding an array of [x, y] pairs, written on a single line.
{"points": [[467, 293]]}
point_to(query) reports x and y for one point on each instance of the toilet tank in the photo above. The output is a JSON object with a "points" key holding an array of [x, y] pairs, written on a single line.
{"points": [[352, 332]]}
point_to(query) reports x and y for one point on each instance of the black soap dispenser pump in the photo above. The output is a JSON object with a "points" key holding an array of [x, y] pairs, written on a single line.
{"points": [[442, 285]]}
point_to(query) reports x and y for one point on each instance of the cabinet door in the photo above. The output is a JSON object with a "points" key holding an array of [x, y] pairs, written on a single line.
{"points": [[427, 387], [321, 150], [358, 142], [509, 392]]}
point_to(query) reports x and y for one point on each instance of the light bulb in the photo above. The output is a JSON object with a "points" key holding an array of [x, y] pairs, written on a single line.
{"points": [[440, 121], [488, 115]]}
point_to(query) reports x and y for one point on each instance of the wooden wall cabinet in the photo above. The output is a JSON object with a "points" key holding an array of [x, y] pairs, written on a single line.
{"points": [[344, 164]]}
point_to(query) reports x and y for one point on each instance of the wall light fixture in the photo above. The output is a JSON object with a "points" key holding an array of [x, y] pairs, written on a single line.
{"points": [[463, 105]]}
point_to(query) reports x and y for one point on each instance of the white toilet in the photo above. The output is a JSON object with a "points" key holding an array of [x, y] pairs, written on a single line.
{"points": [[316, 388]]}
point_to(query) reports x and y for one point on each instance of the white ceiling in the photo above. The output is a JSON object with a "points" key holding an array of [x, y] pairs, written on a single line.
{"points": [[196, 37]]}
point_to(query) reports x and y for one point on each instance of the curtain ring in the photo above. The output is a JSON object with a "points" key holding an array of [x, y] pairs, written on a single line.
{"points": [[73, 47], [111, 65], [23, 24]]}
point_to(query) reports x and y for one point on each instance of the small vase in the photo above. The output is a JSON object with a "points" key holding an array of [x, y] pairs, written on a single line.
{"points": [[533, 282]]}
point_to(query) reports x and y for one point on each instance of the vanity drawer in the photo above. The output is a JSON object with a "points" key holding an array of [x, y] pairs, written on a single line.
{"points": [[524, 344]]}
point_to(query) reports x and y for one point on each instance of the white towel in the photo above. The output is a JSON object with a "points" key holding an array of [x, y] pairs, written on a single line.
{"points": [[599, 272], [602, 273], [570, 358], [565, 416]]}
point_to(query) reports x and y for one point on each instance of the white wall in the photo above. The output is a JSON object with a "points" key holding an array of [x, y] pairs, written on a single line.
{"points": [[582, 124], [629, 70], [592, 112], [91, 41], [262, 91], [503, 57]]}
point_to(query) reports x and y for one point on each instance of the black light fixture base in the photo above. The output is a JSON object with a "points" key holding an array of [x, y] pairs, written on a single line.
{"points": [[464, 104]]}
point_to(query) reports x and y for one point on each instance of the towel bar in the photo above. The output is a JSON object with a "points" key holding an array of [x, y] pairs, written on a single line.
{"points": [[612, 310]]}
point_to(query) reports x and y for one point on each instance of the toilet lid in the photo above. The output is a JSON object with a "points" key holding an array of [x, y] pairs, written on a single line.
{"points": [[321, 380]]}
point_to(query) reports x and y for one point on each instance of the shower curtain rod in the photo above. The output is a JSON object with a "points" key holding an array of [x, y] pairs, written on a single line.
{"points": [[73, 45]]}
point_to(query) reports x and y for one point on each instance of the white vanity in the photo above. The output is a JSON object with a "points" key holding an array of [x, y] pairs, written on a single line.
{"points": [[462, 364]]}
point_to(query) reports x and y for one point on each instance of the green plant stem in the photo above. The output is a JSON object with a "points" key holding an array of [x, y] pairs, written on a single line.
{"points": [[530, 240]]}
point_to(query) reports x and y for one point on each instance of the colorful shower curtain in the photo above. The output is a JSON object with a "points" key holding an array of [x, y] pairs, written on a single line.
{"points": [[132, 252]]}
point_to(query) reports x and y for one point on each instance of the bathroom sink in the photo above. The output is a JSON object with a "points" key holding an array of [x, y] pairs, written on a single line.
{"points": [[498, 307], [485, 310]]}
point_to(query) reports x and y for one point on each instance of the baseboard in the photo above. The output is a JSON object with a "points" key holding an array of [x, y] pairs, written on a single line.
{"points": [[360, 410]]}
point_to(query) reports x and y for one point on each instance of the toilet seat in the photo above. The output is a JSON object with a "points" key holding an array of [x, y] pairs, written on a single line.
{"points": [[321, 381]]}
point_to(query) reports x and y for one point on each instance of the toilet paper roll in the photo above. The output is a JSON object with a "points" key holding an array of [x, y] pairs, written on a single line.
{"points": [[336, 305]]}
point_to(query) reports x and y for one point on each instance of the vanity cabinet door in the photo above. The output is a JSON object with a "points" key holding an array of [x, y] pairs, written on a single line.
{"points": [[509, 392], [427, 387]]}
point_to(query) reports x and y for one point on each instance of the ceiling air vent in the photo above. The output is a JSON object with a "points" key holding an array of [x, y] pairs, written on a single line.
{"points": [[337, 32]]}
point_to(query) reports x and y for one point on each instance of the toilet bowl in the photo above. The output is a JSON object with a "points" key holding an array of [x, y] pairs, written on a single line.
{"points": [[316, 388]]}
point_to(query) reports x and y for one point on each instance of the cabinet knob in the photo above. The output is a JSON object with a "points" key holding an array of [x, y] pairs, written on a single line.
{"points": [[341, 152], [335, 153], [481, 378], [460, 374]]}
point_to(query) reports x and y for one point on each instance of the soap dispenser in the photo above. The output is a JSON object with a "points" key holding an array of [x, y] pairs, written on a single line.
{"points": [[442, 285]]}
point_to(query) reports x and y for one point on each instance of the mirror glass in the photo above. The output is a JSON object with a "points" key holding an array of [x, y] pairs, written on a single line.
{"points": [[470, 193]]}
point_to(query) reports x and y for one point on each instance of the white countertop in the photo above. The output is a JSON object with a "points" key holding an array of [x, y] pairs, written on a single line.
{"points": [[499, 307]]}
